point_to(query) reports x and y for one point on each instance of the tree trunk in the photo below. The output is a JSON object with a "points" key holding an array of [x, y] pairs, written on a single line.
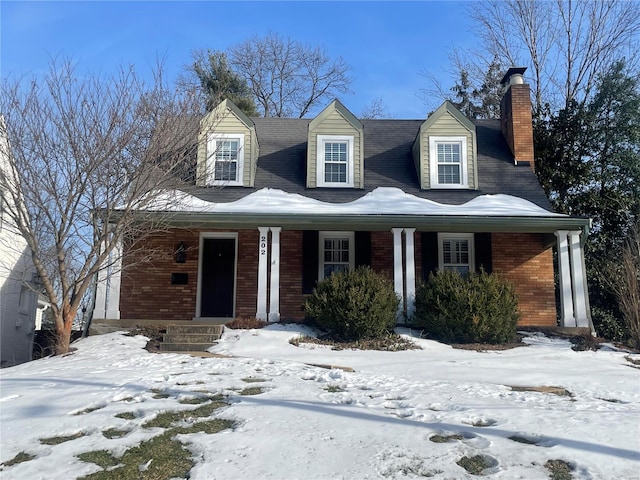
{"points": [[63, 335]]}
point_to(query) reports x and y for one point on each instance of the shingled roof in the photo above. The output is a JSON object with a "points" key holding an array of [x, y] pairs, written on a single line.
{"points": [[388, 163]]}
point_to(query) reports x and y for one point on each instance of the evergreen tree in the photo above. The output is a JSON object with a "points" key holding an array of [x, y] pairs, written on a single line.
{"points": [[588, 161], [217, 82]]}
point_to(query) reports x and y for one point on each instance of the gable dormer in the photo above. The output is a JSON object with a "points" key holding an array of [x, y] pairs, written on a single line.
{"points": [[335, 149], [445, 150], [227, 148]]}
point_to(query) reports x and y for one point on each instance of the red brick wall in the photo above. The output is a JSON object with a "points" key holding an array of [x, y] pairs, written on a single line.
{"points": [[247, 273], [521, 258], [291, 297], [146, 290], [517, 126]]}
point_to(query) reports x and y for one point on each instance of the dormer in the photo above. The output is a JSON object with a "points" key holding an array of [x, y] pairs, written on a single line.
{"points": [[335, 149], [227, 148], [445, 151]]}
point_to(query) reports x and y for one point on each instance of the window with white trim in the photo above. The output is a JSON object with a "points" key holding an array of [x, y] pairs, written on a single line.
{"points": [[448, 162], [456, 252], [335, 161], [226, 159], [336, 250]]}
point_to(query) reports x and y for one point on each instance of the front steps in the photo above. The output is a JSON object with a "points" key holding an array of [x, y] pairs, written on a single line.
{"points": [[190, 338]]}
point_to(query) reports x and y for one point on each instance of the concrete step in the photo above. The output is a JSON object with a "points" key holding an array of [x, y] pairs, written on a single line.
{"points": [[185, 347], [195, 329], [190, 337]]}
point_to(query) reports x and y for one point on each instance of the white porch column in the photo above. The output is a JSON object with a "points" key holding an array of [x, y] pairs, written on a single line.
{"points": [[263, 242], [579, 280], [397, 267], [566, 292], [274, 299], [107, 302], [410, 271]]}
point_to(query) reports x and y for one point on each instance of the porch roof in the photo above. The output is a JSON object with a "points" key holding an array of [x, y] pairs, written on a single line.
{"points": [[381, 209]]}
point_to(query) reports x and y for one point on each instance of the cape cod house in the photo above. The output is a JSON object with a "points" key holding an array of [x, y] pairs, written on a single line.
{"points": [[280, 203]]}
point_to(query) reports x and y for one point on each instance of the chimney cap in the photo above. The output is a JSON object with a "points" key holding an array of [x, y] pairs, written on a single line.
{"points": [[512, 71]]}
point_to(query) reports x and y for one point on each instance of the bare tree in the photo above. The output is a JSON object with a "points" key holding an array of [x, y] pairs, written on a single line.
{"points": [[286, 77], [624, 282], [375, 109], [86, 154], [566, 43]]}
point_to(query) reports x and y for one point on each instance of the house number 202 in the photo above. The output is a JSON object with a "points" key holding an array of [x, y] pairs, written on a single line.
{"points": [[263, 245]]}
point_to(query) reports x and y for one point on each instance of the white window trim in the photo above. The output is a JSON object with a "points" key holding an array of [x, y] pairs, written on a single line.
{"points": [[456, 236], [334, 234], [212, 146], [433, 162], [321, 140]]}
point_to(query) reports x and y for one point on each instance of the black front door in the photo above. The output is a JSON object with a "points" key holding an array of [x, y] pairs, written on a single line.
{"points": [[218, 272]]}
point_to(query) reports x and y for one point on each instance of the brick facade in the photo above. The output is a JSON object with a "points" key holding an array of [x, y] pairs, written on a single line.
{"points": [[523, 260], [147, 292], [516, 122]]}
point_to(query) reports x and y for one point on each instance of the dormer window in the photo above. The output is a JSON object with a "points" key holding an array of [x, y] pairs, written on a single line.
{"points": [[448, 162], [335, 165], [226, 159]]}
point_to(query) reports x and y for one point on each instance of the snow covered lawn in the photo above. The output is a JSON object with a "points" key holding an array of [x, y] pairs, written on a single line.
{"points": [[382, 420]]}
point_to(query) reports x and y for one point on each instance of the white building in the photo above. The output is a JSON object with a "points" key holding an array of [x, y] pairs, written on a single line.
{"points": [[18, 297]]}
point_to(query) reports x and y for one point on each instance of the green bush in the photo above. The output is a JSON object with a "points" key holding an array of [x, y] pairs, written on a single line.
{"points": [[476, 308], [354, 305], [608, 326]]}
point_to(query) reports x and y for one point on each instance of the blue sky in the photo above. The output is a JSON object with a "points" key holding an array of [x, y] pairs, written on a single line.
{"points": [[388, 44]]}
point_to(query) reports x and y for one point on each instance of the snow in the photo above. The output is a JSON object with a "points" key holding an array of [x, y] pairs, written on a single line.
{"points": [[381, 201], [316, 423]]}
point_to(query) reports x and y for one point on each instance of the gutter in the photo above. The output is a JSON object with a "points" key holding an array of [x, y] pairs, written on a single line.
{"points": [[379, 222]]}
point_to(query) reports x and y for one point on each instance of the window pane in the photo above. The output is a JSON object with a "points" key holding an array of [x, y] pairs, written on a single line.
{"points": [[335, 152], [449, 174], [336, 255], [225, 171], [335, 172], [448, 152], [455, 255], [227, 150]]}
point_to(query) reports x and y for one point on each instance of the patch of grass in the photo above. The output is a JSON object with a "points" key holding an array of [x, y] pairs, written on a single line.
{"points": [[167, 419], [102, 458], [559, 470], [19, 458], [445, 438], [193, 400], [521, 439], [474, 465], [611, 400], [334, 388], [87, 410], [114, 433], [162, 457], [126, 415], [388, 343], [251, 391], [60, 439], [157, 393], [207, 426], [253, 380], [635, 362], [560, 391]]}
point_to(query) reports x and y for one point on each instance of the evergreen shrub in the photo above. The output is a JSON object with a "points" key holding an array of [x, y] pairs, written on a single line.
{"points": [[354, 305], [476, 308]]}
